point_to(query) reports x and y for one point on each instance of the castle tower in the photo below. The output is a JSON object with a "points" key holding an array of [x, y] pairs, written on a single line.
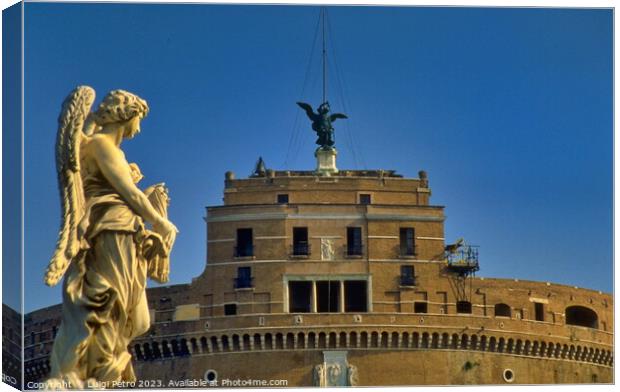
{"points": [[313, 244], [347, 280]]}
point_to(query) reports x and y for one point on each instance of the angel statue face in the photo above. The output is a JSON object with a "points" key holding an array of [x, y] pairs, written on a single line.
{"points": [[324, 108], [123, 107], [132, 128]]}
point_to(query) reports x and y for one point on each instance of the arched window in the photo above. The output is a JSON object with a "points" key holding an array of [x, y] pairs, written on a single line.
{"points": [[138, 351], [502, 310], [246, 342], [582, 316]]}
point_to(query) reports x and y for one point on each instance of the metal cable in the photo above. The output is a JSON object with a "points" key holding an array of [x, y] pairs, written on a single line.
{"points": [[295, 133], [341, 83]]}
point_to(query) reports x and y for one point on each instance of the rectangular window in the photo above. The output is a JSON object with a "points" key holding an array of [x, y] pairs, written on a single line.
{"points": [[300, 241], [244, 278], [299, 296], [245, 247], [230, 309], [355, 296], [407, 241], [463, 307], [539, 311], [420, 307], [327, 296], [407, 277], [364, 198], [354, 241], [283, 198]]}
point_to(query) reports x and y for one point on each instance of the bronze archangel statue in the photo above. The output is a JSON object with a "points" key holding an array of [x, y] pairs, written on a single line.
{"points": [[322, 123], [105, 250]]}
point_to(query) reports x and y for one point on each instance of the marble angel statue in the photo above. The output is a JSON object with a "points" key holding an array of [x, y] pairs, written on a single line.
{"points": [[112, 237]]}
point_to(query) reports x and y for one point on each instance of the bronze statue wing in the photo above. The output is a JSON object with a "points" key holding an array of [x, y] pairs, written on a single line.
{"points": [[308, 109], [75, 110], [335, 116]]}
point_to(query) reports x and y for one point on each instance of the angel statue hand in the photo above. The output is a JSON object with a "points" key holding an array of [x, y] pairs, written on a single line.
{"points": [[168, 232]]}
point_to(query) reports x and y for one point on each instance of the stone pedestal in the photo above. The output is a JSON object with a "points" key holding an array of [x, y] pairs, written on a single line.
{"points": [[326, 161]]}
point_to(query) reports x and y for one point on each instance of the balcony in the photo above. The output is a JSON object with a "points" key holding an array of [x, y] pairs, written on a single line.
{"points": [[300, 249], [246, 250], [354, 250], [244, 282]]}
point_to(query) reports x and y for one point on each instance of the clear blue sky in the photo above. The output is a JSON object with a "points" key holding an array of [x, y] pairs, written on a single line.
{"points": [[508, 110]]}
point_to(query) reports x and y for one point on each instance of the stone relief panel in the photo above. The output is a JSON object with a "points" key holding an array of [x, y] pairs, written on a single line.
{"points": [[334, 374], [352, 375], [327, 249], [335, 371], [319, 379]]}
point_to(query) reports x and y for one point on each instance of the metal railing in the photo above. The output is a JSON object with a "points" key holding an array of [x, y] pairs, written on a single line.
{"points": [[246, 250], [355, 249], [406, 250], [243, 282], [300, 249], [464, 258], [407, 280]]}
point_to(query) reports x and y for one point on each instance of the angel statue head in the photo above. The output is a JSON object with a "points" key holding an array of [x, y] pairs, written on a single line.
{"points": [[324, 108], [119, 106]]}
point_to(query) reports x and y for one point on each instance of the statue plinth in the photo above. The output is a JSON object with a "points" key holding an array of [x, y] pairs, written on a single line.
{"points": [[326, 161]]}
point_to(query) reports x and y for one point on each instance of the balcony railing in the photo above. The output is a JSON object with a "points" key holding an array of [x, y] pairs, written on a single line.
{"points": [[300, 249], [353, 250], [407, 280], [243, 282], [246, 250], [407, 250]]}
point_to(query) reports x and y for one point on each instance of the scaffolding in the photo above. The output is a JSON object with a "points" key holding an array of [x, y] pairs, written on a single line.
{"points": [[462, 263], [464, 260]]}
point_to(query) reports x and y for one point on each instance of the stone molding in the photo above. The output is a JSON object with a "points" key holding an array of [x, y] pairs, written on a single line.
{"points": [[282, 216]]}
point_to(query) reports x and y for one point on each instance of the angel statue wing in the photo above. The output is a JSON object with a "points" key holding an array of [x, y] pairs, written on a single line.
{"points": [[308, 109], [335, 116], [73, 115]]}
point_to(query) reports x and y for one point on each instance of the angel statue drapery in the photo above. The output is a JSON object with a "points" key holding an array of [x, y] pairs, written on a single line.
{"points": [[112, 237]]}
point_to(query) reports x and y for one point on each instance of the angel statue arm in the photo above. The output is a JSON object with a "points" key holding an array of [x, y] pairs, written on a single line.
{"points": [[308, 109], [114, 167]]}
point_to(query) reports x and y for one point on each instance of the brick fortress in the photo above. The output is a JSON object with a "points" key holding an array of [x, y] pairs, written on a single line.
{"points": [[334, 277]]}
